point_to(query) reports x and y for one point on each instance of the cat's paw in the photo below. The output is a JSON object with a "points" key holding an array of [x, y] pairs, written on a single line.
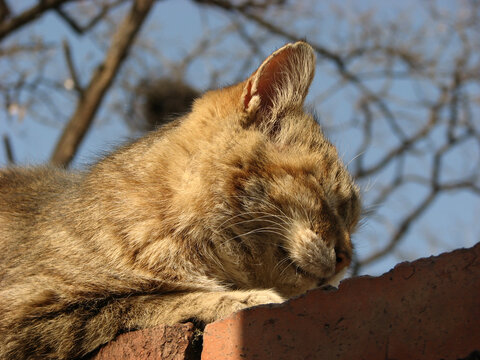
{"points": [[260, 297], [238, 300]]}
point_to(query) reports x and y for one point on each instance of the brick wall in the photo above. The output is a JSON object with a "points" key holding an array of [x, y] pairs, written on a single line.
{"points": [[426, 309]]}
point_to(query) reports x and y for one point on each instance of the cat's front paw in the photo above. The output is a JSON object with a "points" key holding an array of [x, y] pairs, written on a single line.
{"points": [[238, 300], [260, 297]]}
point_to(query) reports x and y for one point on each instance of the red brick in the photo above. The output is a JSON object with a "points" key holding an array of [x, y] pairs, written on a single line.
{"points": [[427, 309], [159, 343]]}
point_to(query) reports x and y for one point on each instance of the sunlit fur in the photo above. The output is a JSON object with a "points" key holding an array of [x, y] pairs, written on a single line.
{"points": [[241, 202]]}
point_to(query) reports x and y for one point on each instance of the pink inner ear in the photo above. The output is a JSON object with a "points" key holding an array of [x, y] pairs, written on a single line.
{"points": [[269, 77], [272, 76]]}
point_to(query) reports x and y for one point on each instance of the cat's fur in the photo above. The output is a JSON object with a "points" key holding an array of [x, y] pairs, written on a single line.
{"points": [[241, 202]]}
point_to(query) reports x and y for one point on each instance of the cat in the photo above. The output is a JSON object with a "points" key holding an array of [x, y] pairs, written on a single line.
{"points": [[241, 202]]}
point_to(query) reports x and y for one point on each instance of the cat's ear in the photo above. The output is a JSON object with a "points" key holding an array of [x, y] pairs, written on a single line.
{"points": [[280, 84]]}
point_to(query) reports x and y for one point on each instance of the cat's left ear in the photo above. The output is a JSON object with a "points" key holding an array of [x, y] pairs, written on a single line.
{"points": [[280, 84]]}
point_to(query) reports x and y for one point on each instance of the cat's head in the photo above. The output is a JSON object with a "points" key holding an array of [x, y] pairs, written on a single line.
{"points": [[281, 203]]}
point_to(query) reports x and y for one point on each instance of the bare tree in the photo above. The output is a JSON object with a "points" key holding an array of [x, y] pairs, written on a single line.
{"points": [[402, 90]]}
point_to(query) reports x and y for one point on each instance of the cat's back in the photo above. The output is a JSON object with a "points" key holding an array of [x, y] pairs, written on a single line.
{"points": [[27, 196], [25, 191]]}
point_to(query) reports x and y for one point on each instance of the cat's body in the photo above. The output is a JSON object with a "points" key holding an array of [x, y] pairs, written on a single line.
{"points": [[241, 202]]}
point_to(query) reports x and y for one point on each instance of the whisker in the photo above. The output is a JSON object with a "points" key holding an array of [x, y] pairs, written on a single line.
{"points": [[248, 213], [281, 262], [355, 157], [271, 230], [263, 201], [287, 266], [260, 218]]}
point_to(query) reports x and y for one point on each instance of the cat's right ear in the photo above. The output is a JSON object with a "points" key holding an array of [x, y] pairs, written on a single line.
{"points": [[280, 84]]}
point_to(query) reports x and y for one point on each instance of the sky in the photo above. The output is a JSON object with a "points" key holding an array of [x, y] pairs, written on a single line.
{"points": [[175, 28]]}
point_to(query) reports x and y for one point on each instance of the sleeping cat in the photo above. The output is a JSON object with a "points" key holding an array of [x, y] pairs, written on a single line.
{"points": [[239, 203]]}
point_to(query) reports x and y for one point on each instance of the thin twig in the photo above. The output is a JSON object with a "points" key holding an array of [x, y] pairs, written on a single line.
{"points": [[81, 29], [71, 67], [8, 150], [4, 10]]}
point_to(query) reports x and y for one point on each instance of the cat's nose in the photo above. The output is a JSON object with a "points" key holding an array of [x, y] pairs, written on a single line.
{"points": [[342, 261]]}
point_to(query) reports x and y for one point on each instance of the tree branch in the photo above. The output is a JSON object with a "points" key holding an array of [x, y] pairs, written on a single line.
{"points": [[8, 149], [71, 68], [4, 10], [9, 25], [401, 230], [81, 29], [101, 80]]}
